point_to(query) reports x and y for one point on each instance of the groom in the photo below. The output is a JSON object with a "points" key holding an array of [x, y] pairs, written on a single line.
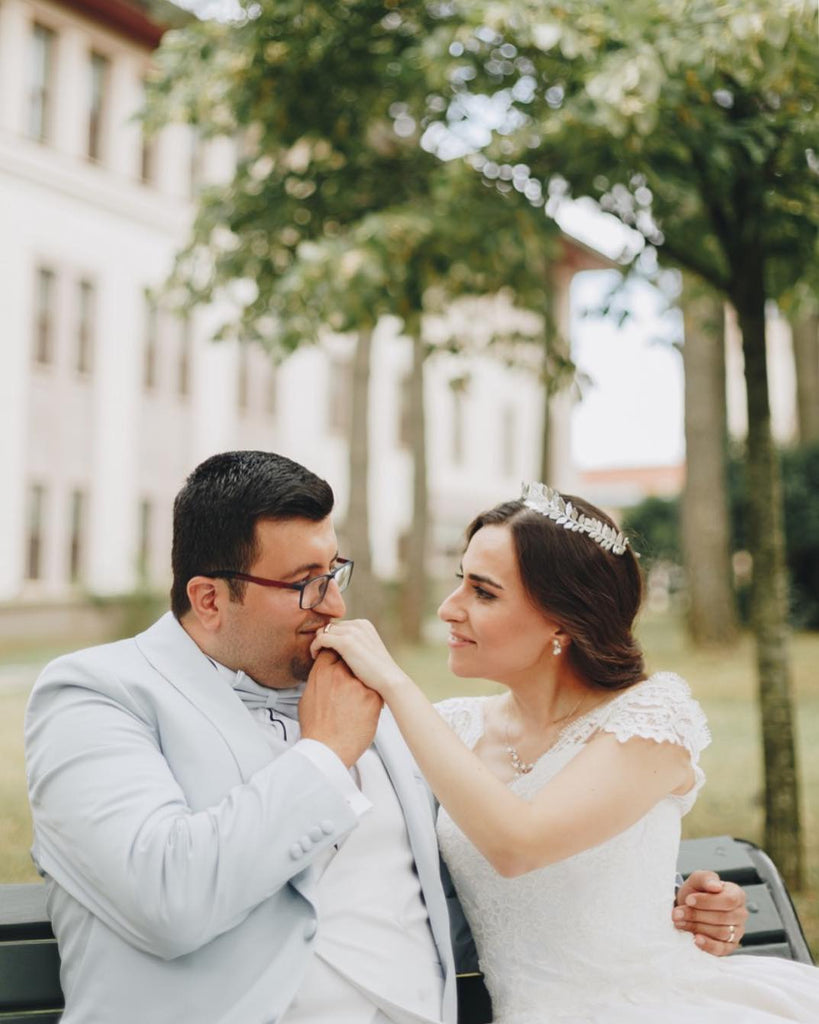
{"points": [[217, 847]]}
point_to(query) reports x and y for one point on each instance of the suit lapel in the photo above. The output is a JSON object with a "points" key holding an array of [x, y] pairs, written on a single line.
{"points": [[174, 655], [417, 805]]}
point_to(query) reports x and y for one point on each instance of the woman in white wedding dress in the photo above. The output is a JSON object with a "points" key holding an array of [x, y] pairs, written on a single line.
{"points": [[562, 798]]}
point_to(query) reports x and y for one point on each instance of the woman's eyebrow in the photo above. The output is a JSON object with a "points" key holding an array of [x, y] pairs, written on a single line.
{"points": [[475, 577]]}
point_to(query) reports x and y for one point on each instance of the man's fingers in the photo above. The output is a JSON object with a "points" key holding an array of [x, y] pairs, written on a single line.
{"points": [[732, 897], [734, 914], [714, 945], [705, 881], [715, 930]]}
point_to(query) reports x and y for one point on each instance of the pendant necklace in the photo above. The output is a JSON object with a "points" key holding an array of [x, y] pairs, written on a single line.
{"points": [[524, 767]]}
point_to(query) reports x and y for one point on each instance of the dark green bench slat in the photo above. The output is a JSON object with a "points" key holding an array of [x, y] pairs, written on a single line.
{"points": [[30, 975], [730, 858], [32, 1017], [23, 912], [780, 949]]}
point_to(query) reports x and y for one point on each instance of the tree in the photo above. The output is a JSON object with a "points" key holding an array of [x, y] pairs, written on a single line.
{"points": [[711, 611], [327, 102], [410, 261], [697, 125]]}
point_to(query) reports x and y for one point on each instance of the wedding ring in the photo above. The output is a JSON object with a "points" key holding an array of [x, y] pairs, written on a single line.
{"points": [[731, 932]]}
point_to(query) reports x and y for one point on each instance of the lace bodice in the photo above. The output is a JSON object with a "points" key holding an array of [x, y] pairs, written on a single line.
{"points": [[594, 926]]}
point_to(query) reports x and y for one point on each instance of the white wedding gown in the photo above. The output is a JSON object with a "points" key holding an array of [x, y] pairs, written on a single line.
{"points": [[591, 938]]}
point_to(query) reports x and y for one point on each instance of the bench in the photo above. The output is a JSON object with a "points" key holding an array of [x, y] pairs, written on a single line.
{"points": [[30, 964]]}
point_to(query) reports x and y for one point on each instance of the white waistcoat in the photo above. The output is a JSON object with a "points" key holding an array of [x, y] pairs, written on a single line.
{"points": [[374, 949]]}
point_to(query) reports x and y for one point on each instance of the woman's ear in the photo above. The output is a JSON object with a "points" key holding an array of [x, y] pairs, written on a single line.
{"points": [[561, 637]]}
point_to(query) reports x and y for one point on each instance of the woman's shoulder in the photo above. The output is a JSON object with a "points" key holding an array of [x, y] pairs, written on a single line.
{"points": [[464, 715], [661, 708]]}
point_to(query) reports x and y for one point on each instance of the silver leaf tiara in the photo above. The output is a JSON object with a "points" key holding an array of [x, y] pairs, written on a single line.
{"points": [[541, 498]]}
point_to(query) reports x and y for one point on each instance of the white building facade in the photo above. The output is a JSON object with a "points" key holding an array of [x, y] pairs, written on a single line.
{"points": [[107, 400]]}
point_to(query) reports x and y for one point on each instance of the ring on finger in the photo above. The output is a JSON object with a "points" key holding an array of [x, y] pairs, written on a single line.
{"points": [[732, 930], [327, 630]]}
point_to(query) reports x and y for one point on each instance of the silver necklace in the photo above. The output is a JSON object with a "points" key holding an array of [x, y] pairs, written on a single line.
{"points": [[524, 767]]}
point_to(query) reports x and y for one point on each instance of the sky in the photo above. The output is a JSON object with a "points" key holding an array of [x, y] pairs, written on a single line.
{"points": [[631, 410]]}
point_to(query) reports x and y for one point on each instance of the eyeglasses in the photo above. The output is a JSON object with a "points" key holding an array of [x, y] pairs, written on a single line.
{"points": [[311, 592]]}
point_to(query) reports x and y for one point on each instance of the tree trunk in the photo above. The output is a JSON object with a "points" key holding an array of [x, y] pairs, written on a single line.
{"points": [[546, 430], [365, 598], [783, 838], [706, 533], [414, 591], [550, 340], [805, 330]]}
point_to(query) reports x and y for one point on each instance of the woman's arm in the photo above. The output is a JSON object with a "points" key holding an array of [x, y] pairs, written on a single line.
{"points": [[608, 787]]}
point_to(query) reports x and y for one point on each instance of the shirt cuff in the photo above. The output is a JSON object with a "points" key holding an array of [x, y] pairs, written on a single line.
{"points": [[336, 773]]}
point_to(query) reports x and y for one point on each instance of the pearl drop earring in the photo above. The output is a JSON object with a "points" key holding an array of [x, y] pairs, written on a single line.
{"points": [[557, 650]]}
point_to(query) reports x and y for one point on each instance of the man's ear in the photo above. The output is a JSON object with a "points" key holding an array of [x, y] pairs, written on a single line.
{"points": [[207, 597]]}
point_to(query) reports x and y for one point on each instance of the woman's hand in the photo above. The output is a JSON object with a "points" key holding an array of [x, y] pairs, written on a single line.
{"points": [[357, 642]]}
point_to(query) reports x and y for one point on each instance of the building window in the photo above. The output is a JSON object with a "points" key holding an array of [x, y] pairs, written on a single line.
{"points": [[99, 67], [86, 303], [147, 156], [340, 397], [243, 377], [144, 541], [34, 538], [150, 343], [272, 401], [42, 78], [75, 537], [458, 417], [44, 318], [405, 411], [507, 439], [185, 355], [197, 160]]}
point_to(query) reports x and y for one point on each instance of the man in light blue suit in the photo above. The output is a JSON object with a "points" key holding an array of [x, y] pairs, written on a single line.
{"points": [[209, 857], [221, 842]]}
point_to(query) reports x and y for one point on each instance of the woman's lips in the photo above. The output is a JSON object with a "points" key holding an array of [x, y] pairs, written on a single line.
{"points": [[456, 640]]}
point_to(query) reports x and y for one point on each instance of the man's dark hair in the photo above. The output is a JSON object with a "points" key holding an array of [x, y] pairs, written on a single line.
{"points": [[215, 514]]}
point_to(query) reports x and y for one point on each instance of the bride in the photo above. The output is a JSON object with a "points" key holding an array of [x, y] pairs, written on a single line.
{"points": [[561, 799]]}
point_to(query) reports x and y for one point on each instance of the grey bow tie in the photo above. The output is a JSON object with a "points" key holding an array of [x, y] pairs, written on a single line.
{"points": [[283, 702]]}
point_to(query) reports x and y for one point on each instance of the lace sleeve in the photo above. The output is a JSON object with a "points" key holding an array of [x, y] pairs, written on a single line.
{"points": [[662, 709], [464, 715]]}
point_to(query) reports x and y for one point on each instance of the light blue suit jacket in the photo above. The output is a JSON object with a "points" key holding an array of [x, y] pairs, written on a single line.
{"points": [[178, 856]]}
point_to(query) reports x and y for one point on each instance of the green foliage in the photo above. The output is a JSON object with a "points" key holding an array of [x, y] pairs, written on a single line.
{"points": [[800, 483], [695, 123], [653, 528], [336, 214]]}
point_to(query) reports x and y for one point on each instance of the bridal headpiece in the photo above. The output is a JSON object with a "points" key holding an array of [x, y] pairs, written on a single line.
{"points": [[541, 498]]}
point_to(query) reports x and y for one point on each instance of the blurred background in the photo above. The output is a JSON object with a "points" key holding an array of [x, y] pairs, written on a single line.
{"points": [[430, 250]]}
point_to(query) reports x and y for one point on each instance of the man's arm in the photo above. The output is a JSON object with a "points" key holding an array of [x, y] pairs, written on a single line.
{"points": [[116, 830], [713, 910]]}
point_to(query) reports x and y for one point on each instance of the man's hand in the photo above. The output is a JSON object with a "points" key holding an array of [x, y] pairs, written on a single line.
{"points": [[338, 710], [713, 910]]}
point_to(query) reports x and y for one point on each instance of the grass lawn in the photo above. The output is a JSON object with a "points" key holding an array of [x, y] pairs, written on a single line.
{"points": [[723, 682]]}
